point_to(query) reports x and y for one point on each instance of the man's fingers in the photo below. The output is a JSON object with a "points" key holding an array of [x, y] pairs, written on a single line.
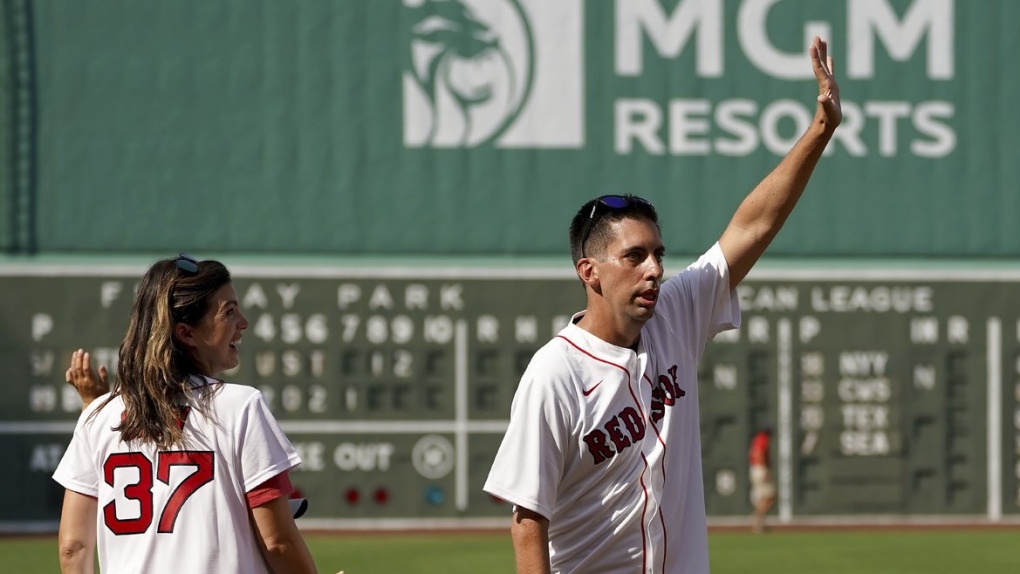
{"points": [[821, 60], [818, 64]]}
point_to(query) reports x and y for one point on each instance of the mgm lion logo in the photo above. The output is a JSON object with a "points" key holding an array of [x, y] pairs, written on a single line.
{"points": [[470, 71]]}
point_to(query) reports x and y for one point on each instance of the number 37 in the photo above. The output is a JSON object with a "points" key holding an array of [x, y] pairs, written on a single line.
{"points": [[141, 491]]}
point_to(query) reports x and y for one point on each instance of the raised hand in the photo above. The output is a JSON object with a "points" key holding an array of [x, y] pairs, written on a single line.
{"points": [[829, 107], [89, 383]]}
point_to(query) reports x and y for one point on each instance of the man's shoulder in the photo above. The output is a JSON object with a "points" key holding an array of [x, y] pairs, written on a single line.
{"points": [[553, 371], [556, 348], [571, 350], [711, 264], [551, 359]]}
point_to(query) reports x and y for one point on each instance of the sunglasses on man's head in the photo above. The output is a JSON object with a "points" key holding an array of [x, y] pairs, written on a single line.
{"points": [[612, 203], [186, 263]]}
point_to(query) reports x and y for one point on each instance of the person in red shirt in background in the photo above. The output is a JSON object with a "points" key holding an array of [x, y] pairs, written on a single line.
{"points": [[763, 488]]}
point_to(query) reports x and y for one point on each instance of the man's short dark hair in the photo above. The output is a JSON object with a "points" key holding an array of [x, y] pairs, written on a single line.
{"points": [[589, 230]]}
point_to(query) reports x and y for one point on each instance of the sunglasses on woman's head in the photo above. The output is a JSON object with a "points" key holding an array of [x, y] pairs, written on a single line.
{"points": [[612, 203], [186, 263]]}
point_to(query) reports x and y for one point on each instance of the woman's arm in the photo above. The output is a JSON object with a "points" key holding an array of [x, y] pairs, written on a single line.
{"points": [[76, 538], [279, 539]]}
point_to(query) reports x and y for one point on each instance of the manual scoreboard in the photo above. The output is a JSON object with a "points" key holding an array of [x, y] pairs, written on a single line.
{"points": [[889, 393]]}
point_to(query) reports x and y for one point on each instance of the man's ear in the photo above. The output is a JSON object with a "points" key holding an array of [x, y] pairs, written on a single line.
{"points": [[588, 272], [183, 333]]}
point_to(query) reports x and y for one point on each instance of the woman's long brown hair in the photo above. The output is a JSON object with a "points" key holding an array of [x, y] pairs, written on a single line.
{"points": [[154, 367]]}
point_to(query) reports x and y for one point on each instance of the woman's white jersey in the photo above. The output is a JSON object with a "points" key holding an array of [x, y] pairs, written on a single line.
{"points": [[605, 441], [182, 510]]}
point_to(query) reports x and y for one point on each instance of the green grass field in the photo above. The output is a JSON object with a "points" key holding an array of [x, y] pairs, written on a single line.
{"points": [[779, 552]]}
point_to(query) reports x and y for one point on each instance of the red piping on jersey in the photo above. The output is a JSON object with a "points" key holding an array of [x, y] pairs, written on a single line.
{"points": [[657, 435], [208, 384], [644, 513], [656, 429], [662, 519], [644, 488], [665, 542]]}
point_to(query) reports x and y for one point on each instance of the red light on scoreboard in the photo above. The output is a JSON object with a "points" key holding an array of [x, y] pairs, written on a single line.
{"points": [[352, 496], [381, 495]]}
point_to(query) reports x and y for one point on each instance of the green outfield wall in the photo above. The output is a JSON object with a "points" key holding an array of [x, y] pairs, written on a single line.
{"points": [[893, 395], [6, 134], [479, 126]]}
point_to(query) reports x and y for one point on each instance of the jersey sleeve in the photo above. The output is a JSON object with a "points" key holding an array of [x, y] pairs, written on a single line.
{"points": [[271, 489], [76, 470], [262, 448], [701, 294], [529, 463]]}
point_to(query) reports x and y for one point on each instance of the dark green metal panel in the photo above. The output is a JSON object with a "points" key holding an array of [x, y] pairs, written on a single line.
{"points": [[18, 128], [887, 384], [396, 385], [323, 127], [6, 132]]}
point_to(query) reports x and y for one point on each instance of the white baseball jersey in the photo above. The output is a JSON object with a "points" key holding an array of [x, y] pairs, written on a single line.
{"points": [[605, 442], [183, 510]]}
